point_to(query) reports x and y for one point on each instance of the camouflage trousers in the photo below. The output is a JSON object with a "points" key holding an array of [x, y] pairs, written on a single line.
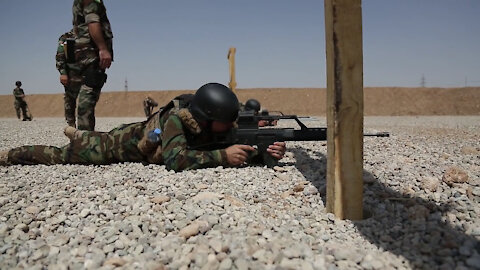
{"points": [[70, 101], [23, 108], [19, 109], [88, 96], [117, 145], [87, 100]]}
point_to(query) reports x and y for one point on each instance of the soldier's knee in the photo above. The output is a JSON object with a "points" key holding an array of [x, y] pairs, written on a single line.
{"points": [[84, 110], [87, 98], [70, 95]]}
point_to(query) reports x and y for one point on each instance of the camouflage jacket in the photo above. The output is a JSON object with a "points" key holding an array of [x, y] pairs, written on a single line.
{"points": [[60, 57], [18, 93], [85, 12], [179, 129]]}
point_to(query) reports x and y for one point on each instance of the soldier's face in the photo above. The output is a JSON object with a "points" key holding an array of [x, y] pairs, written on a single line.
{"points": [[220, 127]]}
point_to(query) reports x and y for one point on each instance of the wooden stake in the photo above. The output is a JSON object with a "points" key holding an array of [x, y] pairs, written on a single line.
{"points": [[231, 60], [343, 30]]}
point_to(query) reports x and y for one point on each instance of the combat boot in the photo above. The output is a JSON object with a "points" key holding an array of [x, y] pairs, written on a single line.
{"points": [[72, 133], [4, 158], [71, 123]]}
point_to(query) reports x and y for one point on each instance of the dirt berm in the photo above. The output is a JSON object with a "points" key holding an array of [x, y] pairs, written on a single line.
{"points": [[385, 101]]}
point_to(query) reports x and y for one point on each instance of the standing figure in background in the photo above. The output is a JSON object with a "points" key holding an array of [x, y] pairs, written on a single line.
{"points": [[20, 103], [93, 54], [148, 105], [70, 76]]}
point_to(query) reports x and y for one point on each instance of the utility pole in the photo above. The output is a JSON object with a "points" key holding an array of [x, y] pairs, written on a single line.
{"points": [[422, 81]]}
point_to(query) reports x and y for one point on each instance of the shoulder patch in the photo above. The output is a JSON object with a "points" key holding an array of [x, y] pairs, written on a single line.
{"points": [[189, 121]]}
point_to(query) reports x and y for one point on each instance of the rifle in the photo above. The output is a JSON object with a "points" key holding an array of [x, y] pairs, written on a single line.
{"points": [[69, 48], [249, 133]]}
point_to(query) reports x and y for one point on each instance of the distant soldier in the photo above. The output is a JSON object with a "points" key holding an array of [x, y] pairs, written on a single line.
{"points": [[251, 105], [148, 105], [254, 105], [93, 54], [20, 103], [70, 76]]}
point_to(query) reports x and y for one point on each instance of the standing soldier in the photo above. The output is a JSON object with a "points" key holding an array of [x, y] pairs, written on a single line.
{"points": [[148, 105], [20, 103], [69, 75], [93, 53]]}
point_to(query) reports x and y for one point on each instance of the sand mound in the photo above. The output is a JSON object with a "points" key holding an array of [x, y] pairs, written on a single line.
{"points": [[302, 101]]}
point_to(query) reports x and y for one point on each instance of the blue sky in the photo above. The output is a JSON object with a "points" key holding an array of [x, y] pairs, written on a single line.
{"points": [[165, 45]]}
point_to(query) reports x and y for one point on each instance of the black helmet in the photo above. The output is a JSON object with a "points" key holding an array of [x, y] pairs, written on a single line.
{"points": [[18, 83], [214, 102], [252, 105]]}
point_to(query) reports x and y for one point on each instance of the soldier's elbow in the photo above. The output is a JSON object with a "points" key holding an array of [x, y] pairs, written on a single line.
{"points": [[173, 163]]}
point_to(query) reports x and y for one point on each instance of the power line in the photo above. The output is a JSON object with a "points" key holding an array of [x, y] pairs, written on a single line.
{"points": [[422, 81]]}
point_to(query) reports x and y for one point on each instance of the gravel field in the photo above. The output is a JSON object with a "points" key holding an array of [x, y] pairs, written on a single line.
{"points": [[422, 194]]}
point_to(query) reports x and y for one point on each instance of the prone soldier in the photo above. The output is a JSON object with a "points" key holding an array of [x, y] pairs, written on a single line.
{"points": [[254, 105], [185, 121]]}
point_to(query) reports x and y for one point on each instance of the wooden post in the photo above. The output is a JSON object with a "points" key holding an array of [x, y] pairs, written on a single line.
{"points": [[343, 30], [231, 60]]}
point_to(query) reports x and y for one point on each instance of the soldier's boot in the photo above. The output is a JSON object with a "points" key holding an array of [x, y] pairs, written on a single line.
{"points": [[71, 123], [73, 133], [4, 158]]}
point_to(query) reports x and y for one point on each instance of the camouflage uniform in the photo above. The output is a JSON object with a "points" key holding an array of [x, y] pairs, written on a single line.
{"points": [[148, 105], [87, 57], [21, 104], [74, 78], [122, 145]]}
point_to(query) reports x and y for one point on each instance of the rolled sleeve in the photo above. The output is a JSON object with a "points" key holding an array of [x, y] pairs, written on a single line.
{"points": [[90, 11], [92, 18]]}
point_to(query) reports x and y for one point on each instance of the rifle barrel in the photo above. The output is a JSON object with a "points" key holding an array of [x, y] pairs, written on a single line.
{"points": [[310, 134], [378, 134]]}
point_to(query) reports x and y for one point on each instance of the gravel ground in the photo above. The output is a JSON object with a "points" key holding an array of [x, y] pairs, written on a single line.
{"points": [[422, 193]]}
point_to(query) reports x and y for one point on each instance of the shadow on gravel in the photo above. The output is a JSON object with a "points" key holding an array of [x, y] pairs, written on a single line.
{"points": [[313, 166], [408, 226]]}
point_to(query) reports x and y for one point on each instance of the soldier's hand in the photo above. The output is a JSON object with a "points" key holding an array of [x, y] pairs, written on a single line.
{"points": [[273, 123], [264, 123], [237, 154], [277, 149], [105, 59], [64, 79]]}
